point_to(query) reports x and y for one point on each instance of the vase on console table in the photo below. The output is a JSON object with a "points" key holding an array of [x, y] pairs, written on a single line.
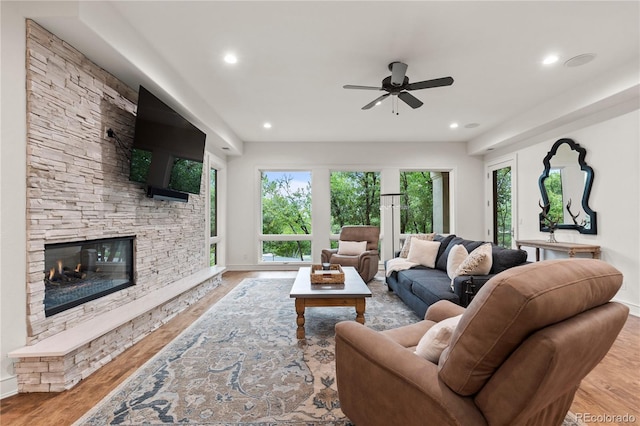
{"points": [[552, 236]]}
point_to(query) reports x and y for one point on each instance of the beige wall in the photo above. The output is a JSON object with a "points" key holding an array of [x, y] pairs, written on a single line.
{"points": [[12, 193], [613, 153]]}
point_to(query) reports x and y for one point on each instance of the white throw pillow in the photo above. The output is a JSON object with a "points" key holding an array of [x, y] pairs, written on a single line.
{"points": [[457, 255], [478, 262], [352, 248], [404, 252], [424, 252], [436, 339]]}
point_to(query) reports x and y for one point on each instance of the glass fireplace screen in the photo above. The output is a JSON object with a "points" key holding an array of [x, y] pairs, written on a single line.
{"points": [[78, 272]]}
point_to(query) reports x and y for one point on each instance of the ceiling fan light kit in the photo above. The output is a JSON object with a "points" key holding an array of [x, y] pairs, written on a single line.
{"points": [[398, 86]]}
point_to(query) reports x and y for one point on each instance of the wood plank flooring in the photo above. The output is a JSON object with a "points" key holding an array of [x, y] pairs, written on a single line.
{"points": [[612, 388]]}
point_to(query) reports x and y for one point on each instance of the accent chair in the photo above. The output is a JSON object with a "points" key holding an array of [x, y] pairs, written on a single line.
{"points": [[516, 356], [366, 261]]}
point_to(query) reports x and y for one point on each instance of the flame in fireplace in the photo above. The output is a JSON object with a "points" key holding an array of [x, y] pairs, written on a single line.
{"points": [[59, 267], [78, 267], [52, 273]]}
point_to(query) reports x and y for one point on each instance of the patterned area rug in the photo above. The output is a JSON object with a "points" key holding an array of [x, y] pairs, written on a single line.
{"points": [[241, 364]]}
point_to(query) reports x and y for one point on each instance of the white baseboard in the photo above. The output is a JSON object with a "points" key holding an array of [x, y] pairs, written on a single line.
{"points": [[8, 386], [634, 309]]}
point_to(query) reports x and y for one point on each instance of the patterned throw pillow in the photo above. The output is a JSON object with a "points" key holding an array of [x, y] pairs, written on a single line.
{"points": [[404, 252], [477, 263]]}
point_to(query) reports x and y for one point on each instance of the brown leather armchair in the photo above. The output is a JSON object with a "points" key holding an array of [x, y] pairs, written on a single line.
{"points": [[516, 357], [365, 263]]}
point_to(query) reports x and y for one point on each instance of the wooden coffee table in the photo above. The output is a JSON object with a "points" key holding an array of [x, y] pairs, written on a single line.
{"points": [[352, 293]]}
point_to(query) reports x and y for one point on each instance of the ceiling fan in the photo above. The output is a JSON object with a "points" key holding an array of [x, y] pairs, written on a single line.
{"points": [[397, 84]]}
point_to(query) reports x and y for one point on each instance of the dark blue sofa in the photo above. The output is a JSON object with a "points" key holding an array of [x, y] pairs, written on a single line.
{"points": [[420, 287]]}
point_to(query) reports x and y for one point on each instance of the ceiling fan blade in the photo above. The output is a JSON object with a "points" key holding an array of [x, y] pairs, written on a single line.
{"points": [[410, 100], [398, 71], [436, 82], [351, 86], [374, 102]]}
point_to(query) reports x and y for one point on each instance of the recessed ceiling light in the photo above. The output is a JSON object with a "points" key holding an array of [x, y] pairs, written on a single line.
{"points": [[453, 125], [550, 59], [267, 125], [230, 58]]}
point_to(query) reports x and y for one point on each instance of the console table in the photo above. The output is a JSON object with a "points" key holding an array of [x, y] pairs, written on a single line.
{"points": [[571, 248]]}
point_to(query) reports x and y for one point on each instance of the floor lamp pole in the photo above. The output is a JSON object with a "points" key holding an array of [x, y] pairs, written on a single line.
{"points": [[393, 214]]}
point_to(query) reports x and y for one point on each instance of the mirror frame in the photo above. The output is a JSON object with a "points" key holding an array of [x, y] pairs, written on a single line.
{"points": [[593, 229]]}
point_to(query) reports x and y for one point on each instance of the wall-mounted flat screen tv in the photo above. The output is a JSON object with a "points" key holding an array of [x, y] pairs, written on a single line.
{"points": [[167, 152]]}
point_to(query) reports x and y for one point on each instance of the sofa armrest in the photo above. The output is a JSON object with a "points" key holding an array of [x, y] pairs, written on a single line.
{"points": [[325, 255], [442, 310], [381, 383], [368, 255]]}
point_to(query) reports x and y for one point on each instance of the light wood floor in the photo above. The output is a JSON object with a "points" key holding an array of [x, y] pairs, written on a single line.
{"points": [[612, 388]]}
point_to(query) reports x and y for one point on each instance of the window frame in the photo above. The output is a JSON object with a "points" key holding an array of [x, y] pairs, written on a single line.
{"points": [[262, 237], [215, 240], [451, 206], [334, 238]]}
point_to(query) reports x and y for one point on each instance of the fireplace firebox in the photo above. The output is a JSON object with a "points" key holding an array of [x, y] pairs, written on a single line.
{"points": [[78, 272]]}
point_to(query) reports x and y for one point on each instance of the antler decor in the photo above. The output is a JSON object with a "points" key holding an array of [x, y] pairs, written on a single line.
{"points": [[548, 221], [575, 216]]}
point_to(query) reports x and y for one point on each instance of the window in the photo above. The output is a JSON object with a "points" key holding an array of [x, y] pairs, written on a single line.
{"points": [[553, 185], [213, 216], [286, 216], [355, 199], [425, 204], [502, 208]]}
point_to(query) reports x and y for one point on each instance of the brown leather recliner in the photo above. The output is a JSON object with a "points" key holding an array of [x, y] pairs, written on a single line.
{"points": [[517, 355], [365, 263]]}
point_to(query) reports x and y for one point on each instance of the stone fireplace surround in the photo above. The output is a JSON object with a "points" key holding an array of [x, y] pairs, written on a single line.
{"points": [[78, 189]]}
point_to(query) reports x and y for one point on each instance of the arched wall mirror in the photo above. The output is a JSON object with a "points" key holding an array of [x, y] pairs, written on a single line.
{"points": [[565, 186]]}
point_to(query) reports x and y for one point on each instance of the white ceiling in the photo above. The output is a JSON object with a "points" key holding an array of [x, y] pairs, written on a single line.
{"points": [[294, 58]]}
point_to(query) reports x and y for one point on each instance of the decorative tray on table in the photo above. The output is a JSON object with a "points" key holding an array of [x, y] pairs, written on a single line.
{"points": [[333, 275]]}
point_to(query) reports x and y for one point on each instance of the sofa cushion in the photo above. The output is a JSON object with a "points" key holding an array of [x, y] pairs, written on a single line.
{"points": [[504, 259], [338, 259], [436, 339], [424, 252], [404, 252], [432, 286], [516, 303], [470, 245], [444, 243]]}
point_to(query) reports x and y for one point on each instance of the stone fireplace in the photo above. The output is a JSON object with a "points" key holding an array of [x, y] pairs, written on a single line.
{"points": [[106, 265], [78, 272]]}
